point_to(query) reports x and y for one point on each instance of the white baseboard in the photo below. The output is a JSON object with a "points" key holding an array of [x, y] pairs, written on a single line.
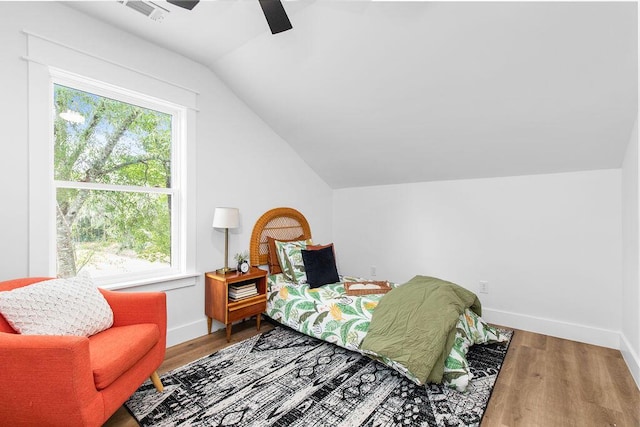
{"points": [[186, 332], [554, 328], [631, 357], [189, 331]]}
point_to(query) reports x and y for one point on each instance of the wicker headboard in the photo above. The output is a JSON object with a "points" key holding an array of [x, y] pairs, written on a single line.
{"points": [[279, 223]]}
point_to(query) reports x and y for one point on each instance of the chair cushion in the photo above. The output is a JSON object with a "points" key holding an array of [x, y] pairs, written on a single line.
{"points": [[116, 350]]}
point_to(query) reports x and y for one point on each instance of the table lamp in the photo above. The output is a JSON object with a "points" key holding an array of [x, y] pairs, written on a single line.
{"points": [[226, 218]]}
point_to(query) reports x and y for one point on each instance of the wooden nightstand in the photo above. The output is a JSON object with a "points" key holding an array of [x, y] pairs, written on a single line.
{"points": [[217, 304]]}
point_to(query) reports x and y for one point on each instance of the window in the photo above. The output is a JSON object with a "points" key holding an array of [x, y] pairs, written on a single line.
{"points": [[117, 192], [111, 170]]}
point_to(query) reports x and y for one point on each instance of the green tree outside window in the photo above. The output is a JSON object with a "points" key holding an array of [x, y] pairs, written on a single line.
{"points": [[109, 157]]}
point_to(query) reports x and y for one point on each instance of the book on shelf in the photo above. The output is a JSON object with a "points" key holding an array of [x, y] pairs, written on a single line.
{"points": [[243, 294], [251, 285], [242, 291], [241, 297], [249, 289]]}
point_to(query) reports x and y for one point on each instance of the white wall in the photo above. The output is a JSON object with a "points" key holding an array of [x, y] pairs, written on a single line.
{"points": [[548, 245], [630, 328], [237, 154]]}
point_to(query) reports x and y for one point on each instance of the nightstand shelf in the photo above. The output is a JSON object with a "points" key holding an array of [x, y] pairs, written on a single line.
{"points": [[218, 306]]}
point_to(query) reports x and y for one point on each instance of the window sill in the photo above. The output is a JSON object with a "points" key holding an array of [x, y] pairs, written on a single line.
{"points": [[156, 284]]}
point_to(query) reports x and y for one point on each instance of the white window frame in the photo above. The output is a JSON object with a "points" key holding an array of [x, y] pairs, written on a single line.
{"points": [[178, 117], [42, 188]]}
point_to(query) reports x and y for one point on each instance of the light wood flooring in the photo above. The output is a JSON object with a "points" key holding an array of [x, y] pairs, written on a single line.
{"points": [[544, 382]]}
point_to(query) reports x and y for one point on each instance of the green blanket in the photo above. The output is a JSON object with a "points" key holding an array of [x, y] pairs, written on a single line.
{"points": [[414, 325]]}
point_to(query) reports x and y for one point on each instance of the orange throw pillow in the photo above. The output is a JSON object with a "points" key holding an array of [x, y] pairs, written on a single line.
{"points": [[316, 247]]}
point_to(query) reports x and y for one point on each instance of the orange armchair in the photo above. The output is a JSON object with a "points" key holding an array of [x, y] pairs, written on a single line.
{"points": [[80, 381]]}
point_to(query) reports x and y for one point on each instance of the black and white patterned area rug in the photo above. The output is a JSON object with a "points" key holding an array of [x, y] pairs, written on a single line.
{"points": [[284, 378]]}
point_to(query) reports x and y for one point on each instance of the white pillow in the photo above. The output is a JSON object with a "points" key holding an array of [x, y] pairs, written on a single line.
{"points": [[71, 306]]}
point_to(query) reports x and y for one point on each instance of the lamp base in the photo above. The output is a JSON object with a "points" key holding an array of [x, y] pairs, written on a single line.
{"points": [[226, 270]]}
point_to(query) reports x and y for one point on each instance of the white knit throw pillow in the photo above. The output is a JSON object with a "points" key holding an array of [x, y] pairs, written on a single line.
{"points": [[71, 306]]}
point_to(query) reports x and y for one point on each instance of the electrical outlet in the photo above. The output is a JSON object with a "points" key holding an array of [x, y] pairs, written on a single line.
{"points": [[373, 270], [484, 287]]}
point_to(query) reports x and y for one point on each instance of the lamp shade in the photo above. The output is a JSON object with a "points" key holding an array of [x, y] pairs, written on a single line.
{"points": [[226, 218]]}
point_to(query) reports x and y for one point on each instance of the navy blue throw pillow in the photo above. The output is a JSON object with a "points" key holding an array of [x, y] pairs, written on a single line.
{"points": [[320, 266]]}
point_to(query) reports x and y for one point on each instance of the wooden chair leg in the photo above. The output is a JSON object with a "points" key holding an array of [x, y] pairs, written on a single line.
{"points": [[155, 379]]}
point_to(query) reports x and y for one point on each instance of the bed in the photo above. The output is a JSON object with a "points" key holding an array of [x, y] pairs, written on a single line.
{"points": [[361, 323]]}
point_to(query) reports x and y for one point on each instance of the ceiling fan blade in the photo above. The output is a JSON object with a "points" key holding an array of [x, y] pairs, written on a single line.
{"points": [[276, 16], [185, 4]]}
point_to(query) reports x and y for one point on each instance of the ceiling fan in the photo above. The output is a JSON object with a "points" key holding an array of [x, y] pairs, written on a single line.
{"points": [[273, 11]]}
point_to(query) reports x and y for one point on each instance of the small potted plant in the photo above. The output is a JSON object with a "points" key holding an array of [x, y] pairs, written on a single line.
{"points": [[242, 260]]}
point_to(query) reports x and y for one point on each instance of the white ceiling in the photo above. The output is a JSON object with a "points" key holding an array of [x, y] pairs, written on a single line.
{"points": [[372, 92]]}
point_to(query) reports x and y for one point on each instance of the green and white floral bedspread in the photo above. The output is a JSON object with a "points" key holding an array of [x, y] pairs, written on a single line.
{"points": [[329, 314]]}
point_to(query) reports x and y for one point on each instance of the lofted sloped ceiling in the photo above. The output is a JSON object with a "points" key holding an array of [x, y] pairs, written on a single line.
{"points": [[373, 92]]}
